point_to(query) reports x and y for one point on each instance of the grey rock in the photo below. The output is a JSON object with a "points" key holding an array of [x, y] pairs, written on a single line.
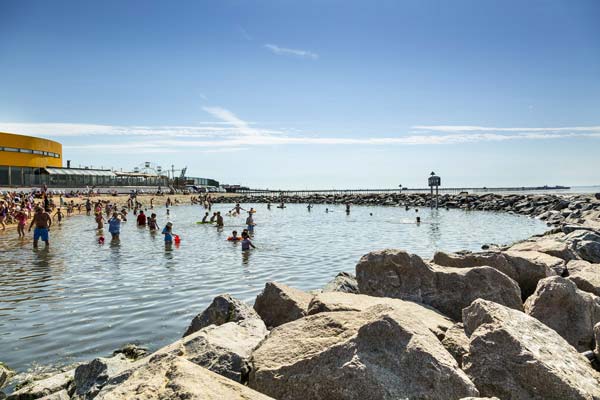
{"points": [[170, 377], [571, 312], [132, 352], [337, 301], [515, 356], [44, 387], [525, 267], [552, 245], [279, 303], [585, 275], [5, 375], [379, 353], [223, 309], [224, 349], [343, 282], [61, 395], [89, 378], [588, 250], [397, 274], [456, 342]]}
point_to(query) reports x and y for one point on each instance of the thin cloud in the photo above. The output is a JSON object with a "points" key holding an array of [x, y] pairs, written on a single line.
{"points": [[232, 133], [472, 128], [283, 51]]}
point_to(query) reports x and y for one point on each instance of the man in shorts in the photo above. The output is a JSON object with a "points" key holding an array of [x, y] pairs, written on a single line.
{"points": [[42, 221]]}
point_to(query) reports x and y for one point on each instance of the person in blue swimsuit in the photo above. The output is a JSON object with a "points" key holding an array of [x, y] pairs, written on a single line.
{"points": [[168, 232], [42, 221], [114, 226]]}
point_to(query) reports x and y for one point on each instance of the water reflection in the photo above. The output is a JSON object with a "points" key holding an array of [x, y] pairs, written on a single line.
{"points": [[80, 298]]}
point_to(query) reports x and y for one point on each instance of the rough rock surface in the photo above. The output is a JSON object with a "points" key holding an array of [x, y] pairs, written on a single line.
{"points": [[597, 340], [456, 342], [379, 353], [395, 273], [171, 377], [585, 275], [343, 282], [132, 352], [223, 349], [589, 250], [89, 378], [62, 395], [223, 309], [553, 246], [525, 267], [279, 303], [336, 301], [44, 387], [5, 375], [514, 356], [571, 312]]}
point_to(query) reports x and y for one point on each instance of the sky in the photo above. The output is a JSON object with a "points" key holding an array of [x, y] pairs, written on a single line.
{"points": [[312, 94]]}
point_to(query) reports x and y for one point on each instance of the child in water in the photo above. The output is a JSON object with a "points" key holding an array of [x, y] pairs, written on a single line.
{"points": [[59, 215], [246, 243], [234, 237], [152, 224], [168, 232]]}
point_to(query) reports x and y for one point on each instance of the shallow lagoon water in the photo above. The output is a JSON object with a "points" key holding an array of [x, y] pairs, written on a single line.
{"points": [[80, 299]]}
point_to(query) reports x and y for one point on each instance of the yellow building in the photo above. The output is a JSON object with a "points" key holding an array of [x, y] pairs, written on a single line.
{"points": [[21, 157]]}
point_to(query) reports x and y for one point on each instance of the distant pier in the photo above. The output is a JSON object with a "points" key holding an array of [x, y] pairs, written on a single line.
{"points": [[272, 192]]}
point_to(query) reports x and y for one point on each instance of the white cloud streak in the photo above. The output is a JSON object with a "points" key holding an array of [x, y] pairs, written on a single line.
{"points": [[232, 133], [283, 51]]}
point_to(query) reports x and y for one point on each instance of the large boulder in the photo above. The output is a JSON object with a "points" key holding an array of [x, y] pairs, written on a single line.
{"points": [[62, 395], [515, 356], [224, 349], [525, 267], [343, 282], [588, 250], [89, 378], [395, 273], [379, 353], [336, 301], [44, 387], [456, 342], [569, 311], [553, 245], [585, 275], [172, 377], [223, 309], [279, 303]]}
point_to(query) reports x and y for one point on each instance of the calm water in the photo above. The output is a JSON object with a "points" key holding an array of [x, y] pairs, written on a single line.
{"points": [[81, 299]]}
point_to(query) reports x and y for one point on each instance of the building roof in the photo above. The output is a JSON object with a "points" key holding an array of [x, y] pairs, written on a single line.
{"points": [[78, 171]]}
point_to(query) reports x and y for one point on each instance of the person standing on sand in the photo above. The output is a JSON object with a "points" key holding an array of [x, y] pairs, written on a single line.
{"points": [[42, 221]]}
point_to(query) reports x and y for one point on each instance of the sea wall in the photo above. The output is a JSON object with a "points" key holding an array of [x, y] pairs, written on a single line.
{"points": [[517, 322]]}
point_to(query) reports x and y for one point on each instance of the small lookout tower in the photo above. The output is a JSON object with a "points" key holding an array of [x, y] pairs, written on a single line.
{"points": [[434, 181]]}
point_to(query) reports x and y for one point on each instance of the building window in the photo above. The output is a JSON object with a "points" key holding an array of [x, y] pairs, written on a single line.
{"points": [[25, 151], [11, 149]]}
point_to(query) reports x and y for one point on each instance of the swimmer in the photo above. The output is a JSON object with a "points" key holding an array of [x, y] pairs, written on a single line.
{"points": [[234, 237], [114, 226], [152, 224], [250, 222], [326, 210], [214, 216], [309, 207], [347, 208], [246, 243], [219, 220], [418, 220], [268, 206], [204, 221], [141, 219]]}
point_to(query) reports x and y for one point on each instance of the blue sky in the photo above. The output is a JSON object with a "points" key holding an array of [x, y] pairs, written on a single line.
{"points": [[317, 94]]}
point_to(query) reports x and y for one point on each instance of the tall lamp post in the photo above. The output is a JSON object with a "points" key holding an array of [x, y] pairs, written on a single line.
{"points": [[434, 181]]}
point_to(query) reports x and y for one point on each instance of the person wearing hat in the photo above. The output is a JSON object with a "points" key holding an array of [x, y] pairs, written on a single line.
{"points": [[168, 232]]}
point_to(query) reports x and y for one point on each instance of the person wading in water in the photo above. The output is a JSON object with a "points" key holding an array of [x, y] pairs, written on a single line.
{"points": [[42, 221]]}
